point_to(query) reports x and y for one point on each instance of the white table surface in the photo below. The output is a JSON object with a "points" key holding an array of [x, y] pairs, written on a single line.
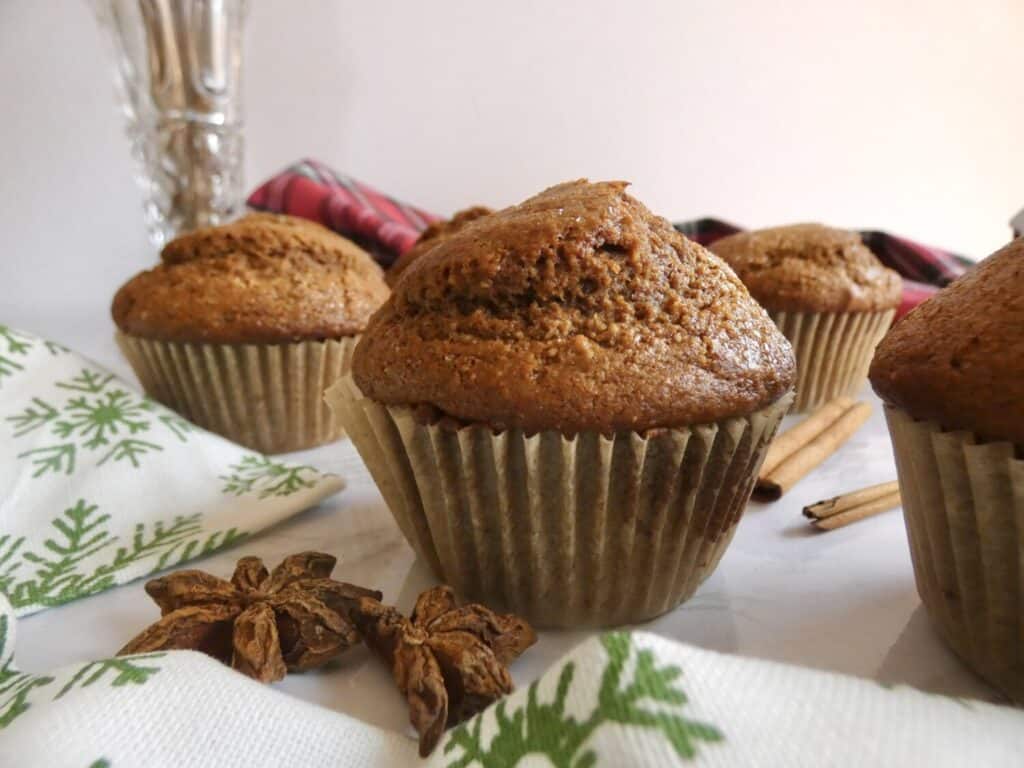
{"points": [[842, 601]]}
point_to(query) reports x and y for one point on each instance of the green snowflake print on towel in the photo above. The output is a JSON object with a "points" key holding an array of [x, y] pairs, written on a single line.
{"points": [[18, 689], [547, 730], [15, 345], [12, 346], [81, 558], [266, 477], [96, 417]]}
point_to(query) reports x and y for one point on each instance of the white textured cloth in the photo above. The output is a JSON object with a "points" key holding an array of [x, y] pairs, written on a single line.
{"points": [[618, 700], [100, 485]]}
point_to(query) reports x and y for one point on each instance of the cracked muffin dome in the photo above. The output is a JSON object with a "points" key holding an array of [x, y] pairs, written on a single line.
{"points": [[810, 268], [958, 358], [437, 232], [263, 279], [576, 310]]}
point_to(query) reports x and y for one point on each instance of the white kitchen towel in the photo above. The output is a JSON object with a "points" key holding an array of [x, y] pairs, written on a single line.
{"points": [[617, 700], [100, 485]]}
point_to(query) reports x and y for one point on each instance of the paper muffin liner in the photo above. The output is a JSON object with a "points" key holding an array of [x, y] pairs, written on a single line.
{"points": [[268, 397], [833, 351], [581, 531], [963, 501]]}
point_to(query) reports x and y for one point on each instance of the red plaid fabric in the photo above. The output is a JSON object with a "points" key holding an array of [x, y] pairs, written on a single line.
{"points": [[384, 226], [924, 269], [387, 227]]}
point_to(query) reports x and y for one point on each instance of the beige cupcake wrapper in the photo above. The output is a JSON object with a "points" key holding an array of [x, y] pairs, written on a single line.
{"points": [[268, 397], [833, 351], [588, 530], [963, 500]]}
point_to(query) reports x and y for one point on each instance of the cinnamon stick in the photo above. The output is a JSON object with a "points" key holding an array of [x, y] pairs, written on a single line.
{"points": [[853, 514], [779, 479], [837, 504], [801, 434]]}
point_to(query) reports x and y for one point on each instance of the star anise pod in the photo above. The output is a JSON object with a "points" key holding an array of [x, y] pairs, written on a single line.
{"points": [[449, 661], [263, 624]]}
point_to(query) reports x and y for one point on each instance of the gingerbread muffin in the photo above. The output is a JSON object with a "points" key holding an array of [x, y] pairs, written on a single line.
{"points": [[436, 233], [830, 296], [565, 406], [241, 327], [951, 374]]}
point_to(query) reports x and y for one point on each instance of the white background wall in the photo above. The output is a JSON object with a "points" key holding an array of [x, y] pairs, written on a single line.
{"points": [[893, 114]]}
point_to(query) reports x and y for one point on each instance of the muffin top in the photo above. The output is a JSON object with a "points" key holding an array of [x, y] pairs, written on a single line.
{"points": [[263, 279], [576, 310], [810, 268], [437, 232], [958, 358]]}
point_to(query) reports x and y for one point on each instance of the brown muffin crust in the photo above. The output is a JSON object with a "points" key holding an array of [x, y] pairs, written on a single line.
{"points": [[263, 279], [958, 358], [577, 310], [810, 268], [437, 232]]}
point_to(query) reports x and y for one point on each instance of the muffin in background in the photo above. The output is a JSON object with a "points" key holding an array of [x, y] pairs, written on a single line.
{"points": [[437, 232], [951, 374], [830, 296], [242, 327], [565, 406]]}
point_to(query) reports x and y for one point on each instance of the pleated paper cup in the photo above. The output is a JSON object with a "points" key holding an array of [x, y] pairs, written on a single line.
{"points": [[963, 501], [581, 531], [833, 351], [268, 397]]}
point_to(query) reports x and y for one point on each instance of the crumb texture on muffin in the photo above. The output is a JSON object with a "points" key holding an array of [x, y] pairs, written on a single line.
{"points": [[262, 279], [810, 268], [436, 233], [958, 358], [576, 310]]}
